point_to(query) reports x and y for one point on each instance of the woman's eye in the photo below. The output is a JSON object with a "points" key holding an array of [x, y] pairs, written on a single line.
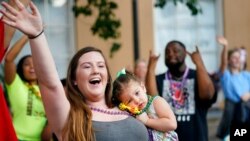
{"points": [[26, 64], [101, 65]]}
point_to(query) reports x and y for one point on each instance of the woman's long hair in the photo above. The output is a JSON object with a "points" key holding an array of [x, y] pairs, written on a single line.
{"points": [[79, 124]]}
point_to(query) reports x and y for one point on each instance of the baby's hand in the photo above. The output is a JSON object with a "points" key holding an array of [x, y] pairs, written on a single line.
{"points": [[143, 118]]}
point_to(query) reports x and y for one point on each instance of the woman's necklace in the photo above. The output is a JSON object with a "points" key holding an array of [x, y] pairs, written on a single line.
{"points": [[31, 92], [109, 112], [34, 91]]}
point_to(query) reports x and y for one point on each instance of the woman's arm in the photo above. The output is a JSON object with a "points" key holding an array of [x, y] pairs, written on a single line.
{"points": [[47, 133], [53, 94], [8, 30], [223, 65], [245, 97], [9, 65]]}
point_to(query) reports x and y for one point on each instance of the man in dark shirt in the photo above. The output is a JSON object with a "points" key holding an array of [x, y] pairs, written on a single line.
{"points": [[189, 92]]}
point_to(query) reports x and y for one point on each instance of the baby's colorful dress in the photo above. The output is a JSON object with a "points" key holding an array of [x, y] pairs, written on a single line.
{"points": [[157, 135]]}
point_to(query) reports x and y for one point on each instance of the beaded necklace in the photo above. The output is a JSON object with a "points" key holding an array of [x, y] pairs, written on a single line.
{"points": [[32, 90], [150, 100], [109, 112], [176, 95]]}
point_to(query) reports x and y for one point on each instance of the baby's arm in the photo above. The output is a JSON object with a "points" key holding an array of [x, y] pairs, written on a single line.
{"points": [[166, 120]]}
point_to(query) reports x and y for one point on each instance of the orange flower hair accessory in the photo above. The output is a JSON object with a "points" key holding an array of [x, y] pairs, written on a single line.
{"points": [[133, 110]]}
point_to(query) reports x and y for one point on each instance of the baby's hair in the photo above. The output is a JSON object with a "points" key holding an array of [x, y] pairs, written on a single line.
{"points": [[120, 83]]}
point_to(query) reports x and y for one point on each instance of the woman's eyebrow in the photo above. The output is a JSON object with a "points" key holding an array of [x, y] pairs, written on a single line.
{"points": [[83, 63]]}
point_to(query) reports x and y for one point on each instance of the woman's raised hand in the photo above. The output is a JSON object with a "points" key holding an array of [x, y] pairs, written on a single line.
{"points": [[21, 19], [222, 40]]}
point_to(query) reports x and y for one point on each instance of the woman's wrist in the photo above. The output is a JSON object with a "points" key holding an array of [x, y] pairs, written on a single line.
{"points": [[34, 37]]}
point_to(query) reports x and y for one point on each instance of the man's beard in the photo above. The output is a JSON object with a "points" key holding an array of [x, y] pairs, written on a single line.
{"points": [[174, 66]]}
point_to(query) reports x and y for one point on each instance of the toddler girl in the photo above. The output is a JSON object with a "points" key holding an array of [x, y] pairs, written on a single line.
{"points": [[130, 94]]}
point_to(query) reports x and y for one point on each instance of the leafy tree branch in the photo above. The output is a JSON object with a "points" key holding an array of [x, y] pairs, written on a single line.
{"points": [[107, 25]]}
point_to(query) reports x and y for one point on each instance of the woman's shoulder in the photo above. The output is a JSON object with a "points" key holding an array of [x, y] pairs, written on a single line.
{"points": [[17, 82]]}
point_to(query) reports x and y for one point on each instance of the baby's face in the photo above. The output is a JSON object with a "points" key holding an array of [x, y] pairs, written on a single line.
{"points": [[134, 95]]}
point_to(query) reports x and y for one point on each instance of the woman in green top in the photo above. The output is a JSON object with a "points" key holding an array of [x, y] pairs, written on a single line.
{"points": [[28, 113]]}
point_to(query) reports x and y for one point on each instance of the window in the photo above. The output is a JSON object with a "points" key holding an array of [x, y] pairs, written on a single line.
{"points": [[176, 23]]}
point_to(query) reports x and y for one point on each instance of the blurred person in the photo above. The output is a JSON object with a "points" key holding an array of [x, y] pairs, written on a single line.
{"points": [[189, 92], [6, 34], [129, 94], [140, 69], [86, 114], [29, 117], [243, 58], [235, 84]]}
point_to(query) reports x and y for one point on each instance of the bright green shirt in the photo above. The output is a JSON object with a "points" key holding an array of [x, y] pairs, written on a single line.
{"points": [[27, 110]]}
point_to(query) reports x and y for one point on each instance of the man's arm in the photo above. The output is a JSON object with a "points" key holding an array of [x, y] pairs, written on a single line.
{"points": [[205, 84], [150, 81]]}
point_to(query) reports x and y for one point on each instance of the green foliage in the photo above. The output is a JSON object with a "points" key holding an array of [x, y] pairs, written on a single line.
{"points": [[191, 4], [115, 47], [106, 24]]}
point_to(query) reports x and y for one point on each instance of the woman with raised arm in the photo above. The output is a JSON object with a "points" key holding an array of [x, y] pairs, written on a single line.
{"points": [[28, 113], [86, 114], [235, 84]]}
